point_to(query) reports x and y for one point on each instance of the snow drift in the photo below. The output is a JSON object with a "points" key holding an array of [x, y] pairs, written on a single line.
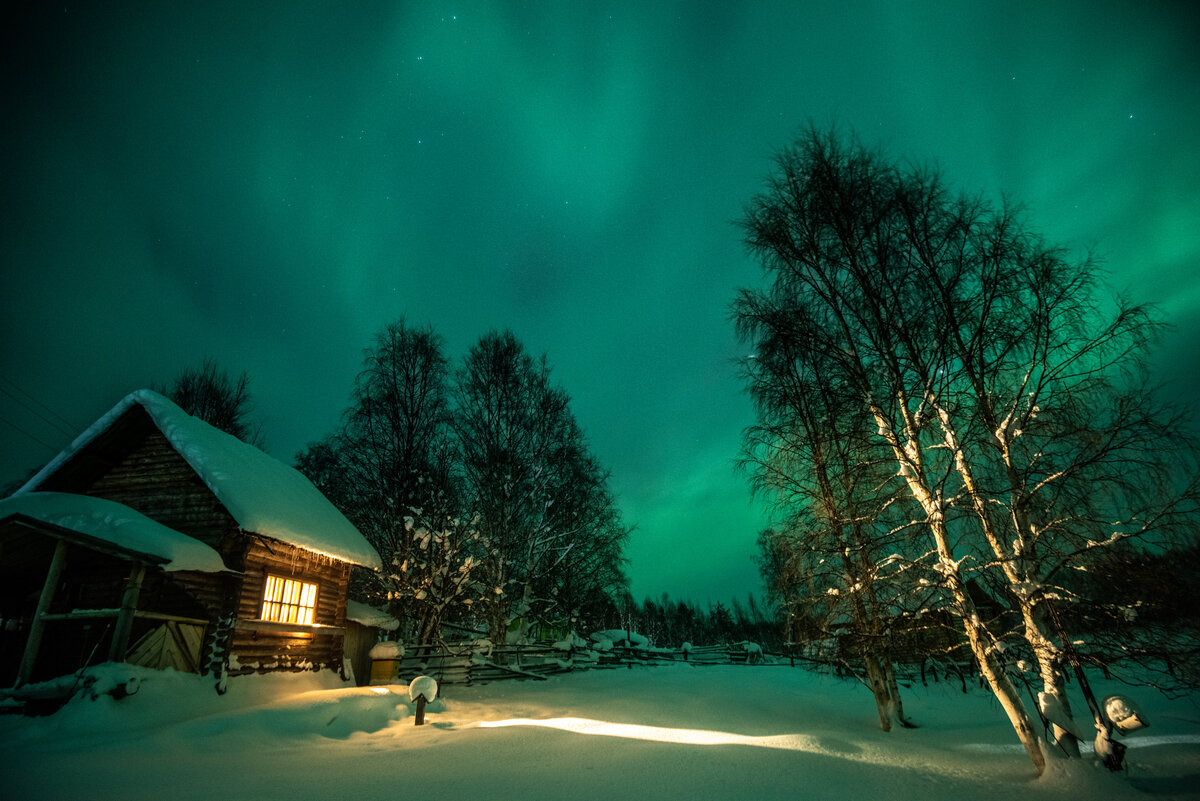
{"points": [[673, 731]]}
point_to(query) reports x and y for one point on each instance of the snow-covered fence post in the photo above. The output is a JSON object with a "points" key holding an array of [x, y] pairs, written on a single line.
{"points": [[420, 691]]}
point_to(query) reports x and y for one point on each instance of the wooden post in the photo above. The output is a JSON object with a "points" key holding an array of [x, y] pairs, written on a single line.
{"points": [[38, 626], [420, 710], [124, 627]]}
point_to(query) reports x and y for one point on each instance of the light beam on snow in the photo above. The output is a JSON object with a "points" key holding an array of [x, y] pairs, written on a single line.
{"points": [[788, 742], [784, 742]]}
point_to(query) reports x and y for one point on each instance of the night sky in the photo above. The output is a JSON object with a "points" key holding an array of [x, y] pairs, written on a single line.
{"points": [[269, 184]]}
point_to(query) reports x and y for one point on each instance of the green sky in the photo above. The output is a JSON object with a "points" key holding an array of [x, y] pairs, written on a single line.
{"points": [[269, 184]]}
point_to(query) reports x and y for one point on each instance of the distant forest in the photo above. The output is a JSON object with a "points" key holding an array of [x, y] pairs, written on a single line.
{"points": [[670, 624]]}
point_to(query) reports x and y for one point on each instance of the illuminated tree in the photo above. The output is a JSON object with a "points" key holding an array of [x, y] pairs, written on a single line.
{"points": [[809, 455], [1008, 397]]}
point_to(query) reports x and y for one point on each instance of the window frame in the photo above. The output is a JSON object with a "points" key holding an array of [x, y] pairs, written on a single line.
{"points": [[293, 600]]}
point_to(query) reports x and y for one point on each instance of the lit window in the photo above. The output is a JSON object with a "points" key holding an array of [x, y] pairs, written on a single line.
{"points": [[289, 601]]}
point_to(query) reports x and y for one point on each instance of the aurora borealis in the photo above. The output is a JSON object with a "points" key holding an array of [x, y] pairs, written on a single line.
{"points": [[270, 184]]}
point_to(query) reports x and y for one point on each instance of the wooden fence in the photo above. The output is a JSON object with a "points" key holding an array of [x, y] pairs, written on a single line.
{"points": [[464, 664]]}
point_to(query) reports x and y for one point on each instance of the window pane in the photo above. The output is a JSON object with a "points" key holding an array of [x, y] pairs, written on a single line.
{"points": [[289, 601]]}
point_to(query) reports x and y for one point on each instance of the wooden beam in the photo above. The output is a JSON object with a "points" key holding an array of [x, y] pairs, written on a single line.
{"points": [[195, 621], [81, 614], [129, 600], [288, 628], [92, 614], [38, 625]]}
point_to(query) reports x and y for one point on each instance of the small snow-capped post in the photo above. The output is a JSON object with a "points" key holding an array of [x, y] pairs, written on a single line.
{"points": [[422, 690]]}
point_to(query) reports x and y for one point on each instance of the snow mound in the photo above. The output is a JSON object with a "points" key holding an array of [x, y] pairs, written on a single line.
{"points": [[370, 616], [620, 637], [388, 649], [570, 643], [263, 495], [334, 714], [663, 732], [162, 698], [115, 523]]}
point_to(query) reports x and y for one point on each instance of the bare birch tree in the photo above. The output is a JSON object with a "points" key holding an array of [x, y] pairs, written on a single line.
{"points": [[808, 455], [992, 374]]}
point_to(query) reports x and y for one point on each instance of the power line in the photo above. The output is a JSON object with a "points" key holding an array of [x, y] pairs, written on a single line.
{"points": [[60, 423], [31, 436], [17, 387]]}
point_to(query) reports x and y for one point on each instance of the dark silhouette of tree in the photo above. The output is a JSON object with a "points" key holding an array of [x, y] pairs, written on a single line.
{"points": [[1156, 638], [670, 624], [485, 509], [216, 397], [389, 468], [552, 530]]}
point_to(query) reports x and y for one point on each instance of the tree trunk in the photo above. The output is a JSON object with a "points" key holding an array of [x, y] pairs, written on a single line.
{"points": [[1045, 652], [1001, 687], [889, 674], [1047, 655], [909, 457], [878, 685]]}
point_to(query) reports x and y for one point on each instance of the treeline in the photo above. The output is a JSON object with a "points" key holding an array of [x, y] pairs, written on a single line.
{"points": [[476, 485], [669, 624]]}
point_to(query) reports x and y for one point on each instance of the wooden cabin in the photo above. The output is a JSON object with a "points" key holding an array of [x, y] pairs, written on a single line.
{"points": [[158, 540]]}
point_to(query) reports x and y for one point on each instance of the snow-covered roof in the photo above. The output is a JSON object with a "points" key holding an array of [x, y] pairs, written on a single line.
{"points": [[263, 495], [117, 524], [370, 616]]}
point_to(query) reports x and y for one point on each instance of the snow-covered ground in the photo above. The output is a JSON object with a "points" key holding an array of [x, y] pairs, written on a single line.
{"points": [[665, 732]]}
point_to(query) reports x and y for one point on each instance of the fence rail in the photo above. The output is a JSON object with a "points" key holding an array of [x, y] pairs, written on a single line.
{"points": [[464, 664]]}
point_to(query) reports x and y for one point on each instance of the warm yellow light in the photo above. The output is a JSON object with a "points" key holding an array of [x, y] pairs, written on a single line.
{"points": [[834, 747], [788, 742], [289, 601]]}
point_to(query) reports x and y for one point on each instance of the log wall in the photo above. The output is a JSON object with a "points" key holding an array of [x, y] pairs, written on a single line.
{"points": [[303, 648], [156, 481]]}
